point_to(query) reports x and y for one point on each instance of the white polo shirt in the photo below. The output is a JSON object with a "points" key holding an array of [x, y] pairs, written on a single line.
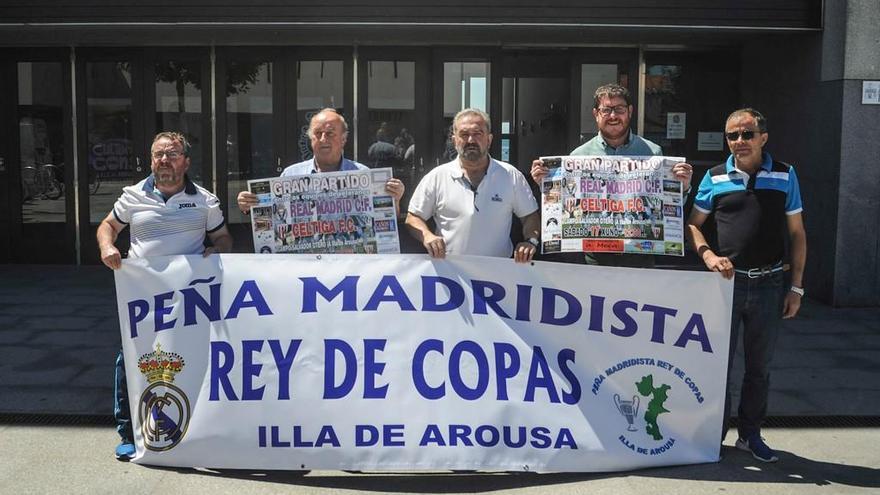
{"points": [[176, 226], [474, 223]]}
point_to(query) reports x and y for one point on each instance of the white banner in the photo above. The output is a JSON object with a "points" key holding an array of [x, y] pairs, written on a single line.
{"points": [[403, 362]]}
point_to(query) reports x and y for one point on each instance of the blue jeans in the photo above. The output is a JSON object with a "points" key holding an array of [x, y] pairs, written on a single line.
{"points": [[121, 411], [757, 305]]}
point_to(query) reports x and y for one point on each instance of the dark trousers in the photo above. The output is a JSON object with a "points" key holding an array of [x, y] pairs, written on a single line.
{"points": [[757, 306], [121, 411]]}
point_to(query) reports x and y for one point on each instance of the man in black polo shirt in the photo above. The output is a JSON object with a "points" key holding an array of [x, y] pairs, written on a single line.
{"points": [[753, 201]]}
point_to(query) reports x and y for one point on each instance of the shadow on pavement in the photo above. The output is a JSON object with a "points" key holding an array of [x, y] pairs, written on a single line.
{"points": [[735, 467]]}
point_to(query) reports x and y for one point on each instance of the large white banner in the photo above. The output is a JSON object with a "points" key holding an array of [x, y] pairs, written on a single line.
{"points": [[403, 362]]}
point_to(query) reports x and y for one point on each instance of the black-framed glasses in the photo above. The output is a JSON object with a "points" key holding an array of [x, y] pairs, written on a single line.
{"points": [[171, 154], [746, 135], [617, 110]]}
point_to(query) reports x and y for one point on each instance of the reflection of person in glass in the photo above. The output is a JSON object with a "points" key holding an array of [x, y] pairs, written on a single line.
{"points": [[328, 133], [168, 214], [382, 153], [612, 109], [473, 198]]}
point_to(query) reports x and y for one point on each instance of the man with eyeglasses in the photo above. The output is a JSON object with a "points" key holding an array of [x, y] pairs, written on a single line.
{"points": [[472, 199], [612, 109], [753, 201], [328, 132], [168, 214]]}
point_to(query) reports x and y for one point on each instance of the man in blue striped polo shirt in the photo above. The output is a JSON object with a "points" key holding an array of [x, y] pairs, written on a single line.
{"points": [[753, 202], [167, 214]]}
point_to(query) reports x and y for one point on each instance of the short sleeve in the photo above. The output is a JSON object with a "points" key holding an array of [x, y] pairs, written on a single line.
{"points": [[524, 201], [793, 202], [122, 207], [215, 218], [423, 202], [703, 199]]}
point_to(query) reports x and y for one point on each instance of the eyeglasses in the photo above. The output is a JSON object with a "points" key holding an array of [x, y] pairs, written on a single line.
{"points": [[171, 154], [618, 110], [746, 135]]}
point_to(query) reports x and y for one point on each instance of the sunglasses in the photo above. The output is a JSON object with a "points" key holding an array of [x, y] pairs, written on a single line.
{"points": [[746, 135]]}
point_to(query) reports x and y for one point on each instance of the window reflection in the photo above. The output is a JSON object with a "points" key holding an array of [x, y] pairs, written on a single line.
{"points": [[593, 76], [465, 85], [41, 142], [179, 107], [109, 134], [249, 124], [319, 85], [391, 119]]}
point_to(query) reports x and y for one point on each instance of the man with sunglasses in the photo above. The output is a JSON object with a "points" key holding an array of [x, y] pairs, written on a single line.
{"points": [[168, 214], [753, 201], [612, 109]]}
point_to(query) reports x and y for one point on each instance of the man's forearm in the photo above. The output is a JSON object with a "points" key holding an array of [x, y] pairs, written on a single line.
{"points": [[417, 227], [106, 235], [798, 258], [532, 226]]}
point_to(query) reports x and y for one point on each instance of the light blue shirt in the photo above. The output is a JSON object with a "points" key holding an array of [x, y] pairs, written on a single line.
{"points": [[634, 146], [309, 167]]}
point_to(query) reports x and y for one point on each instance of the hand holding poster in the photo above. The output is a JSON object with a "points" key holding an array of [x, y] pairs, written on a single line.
{"points": [[336, 212], [612, 204]]}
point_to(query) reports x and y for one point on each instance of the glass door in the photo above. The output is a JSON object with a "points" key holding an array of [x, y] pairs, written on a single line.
{"points": [[35, 177], [392, 124], [178, 98], [112, 148]]}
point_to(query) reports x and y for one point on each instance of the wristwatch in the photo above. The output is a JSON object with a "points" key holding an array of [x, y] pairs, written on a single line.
{"points": [[534, 241], [797, 290]]}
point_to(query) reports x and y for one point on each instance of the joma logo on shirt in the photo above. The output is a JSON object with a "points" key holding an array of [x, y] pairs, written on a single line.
{"points": [[186, 205]]}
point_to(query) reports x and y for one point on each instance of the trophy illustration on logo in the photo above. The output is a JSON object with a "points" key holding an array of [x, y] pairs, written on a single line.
{"points": [[628, 409]]}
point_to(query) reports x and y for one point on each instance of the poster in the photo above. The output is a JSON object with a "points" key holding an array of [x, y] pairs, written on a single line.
{"points": [[612, 204], [335, 212]]}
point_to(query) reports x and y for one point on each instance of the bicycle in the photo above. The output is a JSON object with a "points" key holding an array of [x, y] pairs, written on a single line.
{"points": [[41, 182]]}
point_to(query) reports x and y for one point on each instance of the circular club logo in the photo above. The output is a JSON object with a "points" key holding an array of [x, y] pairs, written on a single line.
{"points": [[644, 399], [164, 410]]}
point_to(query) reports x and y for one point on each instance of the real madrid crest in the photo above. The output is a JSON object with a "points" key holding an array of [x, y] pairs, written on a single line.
{"points": [[163, 412]]}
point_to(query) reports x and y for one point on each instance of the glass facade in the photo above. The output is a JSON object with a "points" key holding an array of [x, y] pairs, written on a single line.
{"points": [[399, 107]]}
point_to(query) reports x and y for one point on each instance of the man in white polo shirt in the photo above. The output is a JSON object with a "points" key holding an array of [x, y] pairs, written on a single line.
{"points": [[168, 214], [472, 199]]}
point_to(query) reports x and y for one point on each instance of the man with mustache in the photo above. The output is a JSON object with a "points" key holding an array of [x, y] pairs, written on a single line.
{"points": [[168, 214], [328, 133], [612, 109], [472, 199], [754, 201]]}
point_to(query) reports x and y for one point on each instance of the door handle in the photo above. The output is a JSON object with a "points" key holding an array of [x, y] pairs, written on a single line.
{"points": [[137, 164], [278, 164]]}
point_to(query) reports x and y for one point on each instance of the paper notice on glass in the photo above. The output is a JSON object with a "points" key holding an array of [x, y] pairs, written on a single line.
{"points": [[710, 141], [336, 212], [870, 92], [612, 204], [675, 125]]}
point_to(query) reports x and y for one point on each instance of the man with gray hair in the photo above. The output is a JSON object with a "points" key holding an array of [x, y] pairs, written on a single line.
{"points": [[328, 133], [472, 199]]}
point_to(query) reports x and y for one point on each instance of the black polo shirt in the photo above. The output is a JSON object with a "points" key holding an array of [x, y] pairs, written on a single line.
{"points": [[750, 210]]}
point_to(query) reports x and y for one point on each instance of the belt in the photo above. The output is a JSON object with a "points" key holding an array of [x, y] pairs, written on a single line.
{"points": [[763, 271]]}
